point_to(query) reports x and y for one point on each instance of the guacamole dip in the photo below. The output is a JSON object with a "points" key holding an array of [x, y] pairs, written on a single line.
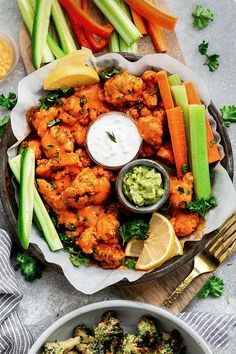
{"points": [[142, 185]]}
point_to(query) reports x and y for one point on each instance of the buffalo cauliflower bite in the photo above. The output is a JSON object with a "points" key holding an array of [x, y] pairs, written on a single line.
{"points": [[57, 141], [181, 190], [87, 240], [109, 255], [41, 118], [184, 224], [123, 89], [151, 130]]}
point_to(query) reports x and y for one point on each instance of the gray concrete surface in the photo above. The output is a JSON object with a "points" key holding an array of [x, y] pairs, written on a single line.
{"points": [[52, 296]]}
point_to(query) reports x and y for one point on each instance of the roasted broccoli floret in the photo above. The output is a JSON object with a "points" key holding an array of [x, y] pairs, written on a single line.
{"points": [[95, 347], [169, 343], [147, 329], [84, 333], [61, 347], [108, 328], [114, 347], [133, 344]]}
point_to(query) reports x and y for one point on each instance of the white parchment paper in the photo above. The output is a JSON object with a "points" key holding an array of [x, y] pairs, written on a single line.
{"points": [[93, 279]]}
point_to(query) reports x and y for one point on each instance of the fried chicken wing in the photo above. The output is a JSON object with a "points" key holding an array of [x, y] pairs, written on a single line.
{"points": [[57, 141], [123, 89], [185, 224], [181, 190], [151, 130], [109, 255]]}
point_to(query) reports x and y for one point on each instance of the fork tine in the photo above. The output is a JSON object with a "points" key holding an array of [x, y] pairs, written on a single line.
{"points": [[220, 240], [223, 229], [227, 252], [224, 246]]}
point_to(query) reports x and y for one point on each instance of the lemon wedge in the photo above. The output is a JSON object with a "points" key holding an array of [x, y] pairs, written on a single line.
{"points": [[78, 57], [159, 246], [71, 76], [134, 248]]}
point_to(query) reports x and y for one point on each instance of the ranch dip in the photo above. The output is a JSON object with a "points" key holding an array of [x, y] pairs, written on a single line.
{"points": [[113, 140]]}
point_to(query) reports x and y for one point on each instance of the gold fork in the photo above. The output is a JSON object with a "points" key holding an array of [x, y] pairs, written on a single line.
{"points": [[213, 254]]}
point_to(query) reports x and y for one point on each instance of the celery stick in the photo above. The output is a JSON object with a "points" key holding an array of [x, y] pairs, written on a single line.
{"points": [[62, 28], [120, 21], [27, 12], [174, 80], [114, 45], [57, 51], [124, 47], [198, 141], [180, 98]]}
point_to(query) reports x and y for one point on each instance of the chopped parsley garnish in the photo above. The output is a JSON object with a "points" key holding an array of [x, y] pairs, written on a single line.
{"points": [[213, 287], [203, 48], [202, 206], [213, 142], [109, 73], [111, 136], [181, 190], [29, 267], [212, 62], [202, 17], [53, 186], [154, 91], [53, 122], [136, 228], [76, 257], [3, 123], [54, 98], [228, 114], [129, 263], [188, 192], [184, 168], [8, 102], [83, 101]]}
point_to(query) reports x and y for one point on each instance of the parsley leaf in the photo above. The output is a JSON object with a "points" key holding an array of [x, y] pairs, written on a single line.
{"points": [[203, 48], [54, 98], [29, 267], [181, 190], [154, 91], [202, 17], [228, 114], [213, 287], [184, 168], [3, 123], [202, 206], [136, 228], [111, 136], [77, 258], [129, 263], [8, 102], [109, 73], [212, 62]]}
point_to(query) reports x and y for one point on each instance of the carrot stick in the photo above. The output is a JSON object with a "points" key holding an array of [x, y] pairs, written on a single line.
{"points": [[164, 88], [178, 139], [193, 98], [157, 36], [139, 22], [153, 14]]}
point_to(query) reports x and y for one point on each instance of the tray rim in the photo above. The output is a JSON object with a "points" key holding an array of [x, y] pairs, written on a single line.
{"points": [[10, 207]]}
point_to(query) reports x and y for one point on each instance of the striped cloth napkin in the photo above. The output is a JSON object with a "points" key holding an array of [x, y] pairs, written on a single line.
{"points": [[16, 339]]}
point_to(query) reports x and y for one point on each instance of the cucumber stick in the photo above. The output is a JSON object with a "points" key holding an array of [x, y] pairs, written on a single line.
{"points": [[174, 80], [27, 12], [40, 30], [62, 28], [25, 215], [199, 154], [40, 211]]}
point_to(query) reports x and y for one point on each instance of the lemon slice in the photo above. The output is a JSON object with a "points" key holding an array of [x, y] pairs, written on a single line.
{"points": [[78, 57], [134, 248], [159, 246], [178, 249], [71, 76]]}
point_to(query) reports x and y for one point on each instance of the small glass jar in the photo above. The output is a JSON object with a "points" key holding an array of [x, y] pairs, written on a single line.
{"points": [[9, 55]]}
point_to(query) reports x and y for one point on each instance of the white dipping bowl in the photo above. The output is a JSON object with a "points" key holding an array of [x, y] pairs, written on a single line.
{"points": [[113, 140], [129, 312]]}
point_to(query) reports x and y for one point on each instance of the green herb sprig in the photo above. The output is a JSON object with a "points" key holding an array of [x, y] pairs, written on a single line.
{"points": [[214, 287], [111, 136], [76, 257], [202, 17], [212, 60], [54, 98], [203, 48], [202, 206], [3, 123], [8, 102], [109, 73], [128, 263], [136, 228], [29, 267], [228, 115]]}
